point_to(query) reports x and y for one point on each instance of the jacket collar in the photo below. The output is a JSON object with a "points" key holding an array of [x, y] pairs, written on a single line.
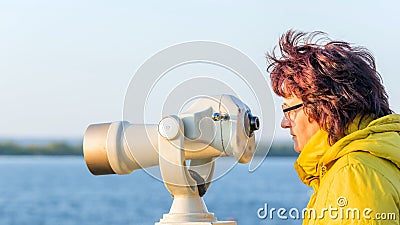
{"points": [[318, 154], [307, 162]]}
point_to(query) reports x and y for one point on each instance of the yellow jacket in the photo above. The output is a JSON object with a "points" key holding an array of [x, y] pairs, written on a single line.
{"points": [[357, 180]]}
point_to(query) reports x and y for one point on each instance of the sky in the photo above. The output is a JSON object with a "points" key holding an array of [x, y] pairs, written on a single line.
{"points": [[67, 64]]}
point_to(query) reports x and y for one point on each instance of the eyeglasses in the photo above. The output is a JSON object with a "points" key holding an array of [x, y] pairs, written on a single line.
{"points": [[288, 112]]}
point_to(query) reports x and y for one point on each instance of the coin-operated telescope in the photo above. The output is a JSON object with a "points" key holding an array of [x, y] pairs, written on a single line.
{"points": [[211, 127]]}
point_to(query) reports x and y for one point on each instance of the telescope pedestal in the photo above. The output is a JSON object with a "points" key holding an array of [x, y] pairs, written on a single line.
{"points": [[188, 207]]}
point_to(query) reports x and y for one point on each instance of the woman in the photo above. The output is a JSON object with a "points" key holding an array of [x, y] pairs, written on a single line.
{"points": [[339, 118]]}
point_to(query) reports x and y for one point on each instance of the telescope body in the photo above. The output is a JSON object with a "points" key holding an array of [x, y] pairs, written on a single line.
{"points": [[213, 127], [120, 148]]}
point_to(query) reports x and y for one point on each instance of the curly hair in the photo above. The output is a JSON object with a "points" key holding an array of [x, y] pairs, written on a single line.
{"points": [[335, 80]]}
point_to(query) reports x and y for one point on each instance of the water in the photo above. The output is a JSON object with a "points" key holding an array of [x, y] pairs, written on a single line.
{"points": [[60, 190]]}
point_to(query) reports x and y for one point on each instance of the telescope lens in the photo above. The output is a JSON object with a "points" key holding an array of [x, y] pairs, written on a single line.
{"points": [[95, 149]]}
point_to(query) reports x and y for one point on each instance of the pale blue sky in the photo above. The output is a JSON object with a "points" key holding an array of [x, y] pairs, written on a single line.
{"points": [[67, 64]]}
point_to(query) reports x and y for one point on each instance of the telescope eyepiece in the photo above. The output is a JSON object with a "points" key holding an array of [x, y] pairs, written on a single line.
{"points": [[254, 123], [251, 123]]}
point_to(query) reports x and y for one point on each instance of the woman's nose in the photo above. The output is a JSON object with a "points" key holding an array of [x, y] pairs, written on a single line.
{"points": [[285, 123]]}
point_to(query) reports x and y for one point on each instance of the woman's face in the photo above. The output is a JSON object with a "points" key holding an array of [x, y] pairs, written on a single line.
{"points": [[301, 128]]}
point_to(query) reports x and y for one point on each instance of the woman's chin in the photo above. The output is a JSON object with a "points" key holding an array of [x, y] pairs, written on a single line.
{"points": [[296, 147]]}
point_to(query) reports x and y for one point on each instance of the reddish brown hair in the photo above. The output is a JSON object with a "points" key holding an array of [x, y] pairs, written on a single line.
{"points": [[335, 80]]}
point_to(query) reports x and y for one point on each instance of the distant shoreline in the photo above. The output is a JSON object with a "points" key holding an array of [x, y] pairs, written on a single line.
{"points": [[61, 148], [52, 148]]}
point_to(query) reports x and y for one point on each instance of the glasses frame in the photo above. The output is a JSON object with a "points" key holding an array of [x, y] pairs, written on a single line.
{"points": [[286, 111]]}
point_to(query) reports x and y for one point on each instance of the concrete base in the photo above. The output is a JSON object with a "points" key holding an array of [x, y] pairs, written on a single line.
{"points": [[190, 211], [198, 223]]}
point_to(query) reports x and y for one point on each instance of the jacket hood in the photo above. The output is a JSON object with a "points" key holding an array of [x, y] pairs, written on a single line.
{"points": [[380, 137]]}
